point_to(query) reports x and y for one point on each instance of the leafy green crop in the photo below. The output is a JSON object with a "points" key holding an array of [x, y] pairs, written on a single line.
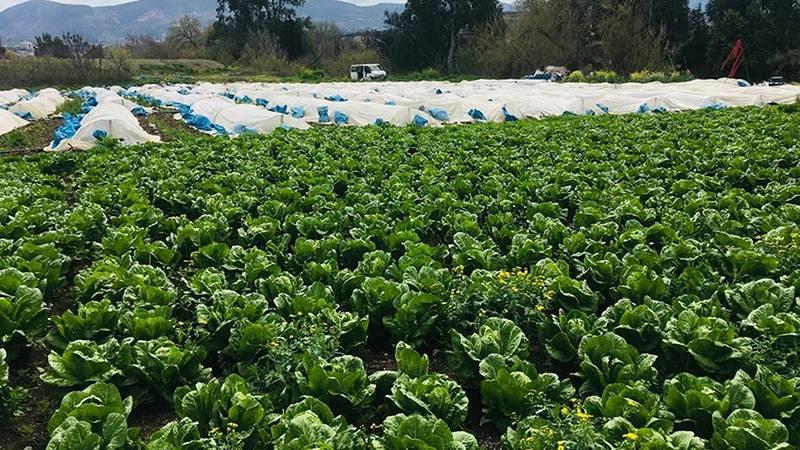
{"points": [[579, 282]]}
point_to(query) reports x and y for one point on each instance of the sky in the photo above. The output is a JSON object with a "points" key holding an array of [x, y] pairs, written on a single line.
{"points": [[9, 3]]}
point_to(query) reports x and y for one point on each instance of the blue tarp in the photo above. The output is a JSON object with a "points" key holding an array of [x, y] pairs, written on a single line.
{"points": [[100, 134], [507, 116], [476, 114], [262, 102], [603, 107], [24, 115], [439, 114], [420, 121], [242, 129], [340, 118], [298, 112], [283, 109], [322, 111], [67, 129], [139, 112], [336, 98]]}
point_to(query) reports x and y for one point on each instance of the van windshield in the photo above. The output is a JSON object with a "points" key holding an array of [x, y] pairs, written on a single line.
{"points": [[375, 67]]}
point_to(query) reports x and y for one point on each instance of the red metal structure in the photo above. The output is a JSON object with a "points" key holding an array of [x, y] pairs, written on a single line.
{"points": [[735, 59]]}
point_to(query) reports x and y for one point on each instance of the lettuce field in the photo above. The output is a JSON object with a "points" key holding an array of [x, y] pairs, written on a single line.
{"points": [[609, 282]]}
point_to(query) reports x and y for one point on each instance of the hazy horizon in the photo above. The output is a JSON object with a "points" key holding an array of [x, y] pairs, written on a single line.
{"points": [[5, 4]]}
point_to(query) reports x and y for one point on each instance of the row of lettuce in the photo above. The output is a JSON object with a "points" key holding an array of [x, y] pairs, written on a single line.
{"points": [[614, 282]]}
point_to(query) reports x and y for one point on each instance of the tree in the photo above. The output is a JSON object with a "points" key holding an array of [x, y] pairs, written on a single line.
{"points": [[121, 59], [79, 50], [239, 20], [47, 45], [323, 41], [2, 50], [427, 33], [770, 30], [186, 32], [628, 42]]}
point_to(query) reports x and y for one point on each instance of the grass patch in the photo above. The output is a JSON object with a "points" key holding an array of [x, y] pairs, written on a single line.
{"points": [[72, 106], [37, 135], [170, 129]]}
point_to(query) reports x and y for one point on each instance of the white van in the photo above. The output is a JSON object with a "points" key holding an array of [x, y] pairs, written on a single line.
{"points": [[367, 72]]}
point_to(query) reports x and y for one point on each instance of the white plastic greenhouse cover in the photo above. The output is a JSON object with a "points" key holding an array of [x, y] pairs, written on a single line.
{"points": [[12, 96], [111, 96], [237, 117], [112, 119], [433, 102], [43, 105], [10, 121]]}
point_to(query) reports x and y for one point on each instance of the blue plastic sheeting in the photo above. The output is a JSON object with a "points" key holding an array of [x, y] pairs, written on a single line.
{"points": [[438, 91], [439, 114], [230, 95], [184, 91], [476, 114], [390, 102], [322, 111], [89, 102], [242, 129], [283, 109], [139, 112], [507, 116], [67, 129], [715, 106], [659, 109], [184, 110], [245, 99], [24, 115], [420, 121], [200, 122], [590, 112], [262, 102], [340, 118], [568, 113], [298, 112], [100, 134], [742, 83], [379, 121], [643, 108], [603, 107], [219, 129], [336, 98], [148, 98]]}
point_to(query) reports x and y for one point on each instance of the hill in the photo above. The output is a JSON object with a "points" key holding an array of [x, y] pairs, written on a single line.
{"points": [[152, 17]]}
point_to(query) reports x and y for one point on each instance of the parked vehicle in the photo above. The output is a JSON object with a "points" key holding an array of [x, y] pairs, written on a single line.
{"points": [[367, 72]]}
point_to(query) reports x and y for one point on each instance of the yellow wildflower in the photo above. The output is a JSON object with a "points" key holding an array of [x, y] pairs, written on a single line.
{"points": [[631, 436], [562, 445], [564, 410], [632, 402], [540, 307], [583, 416]]}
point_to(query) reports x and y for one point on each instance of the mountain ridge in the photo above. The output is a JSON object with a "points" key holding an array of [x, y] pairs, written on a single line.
{"points": [[110, 24]]}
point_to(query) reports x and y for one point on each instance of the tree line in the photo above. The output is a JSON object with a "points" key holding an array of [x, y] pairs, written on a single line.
{"points": [[477, 37]]}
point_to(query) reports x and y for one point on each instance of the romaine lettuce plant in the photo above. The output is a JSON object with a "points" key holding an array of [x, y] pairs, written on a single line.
{"points": [[93, 418], [341, 383], [561, 334], [745, 429], [710, 343], [608, 359], [402, 432], [496, 336], [311, 424], [513, 389], [694, 400]]}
